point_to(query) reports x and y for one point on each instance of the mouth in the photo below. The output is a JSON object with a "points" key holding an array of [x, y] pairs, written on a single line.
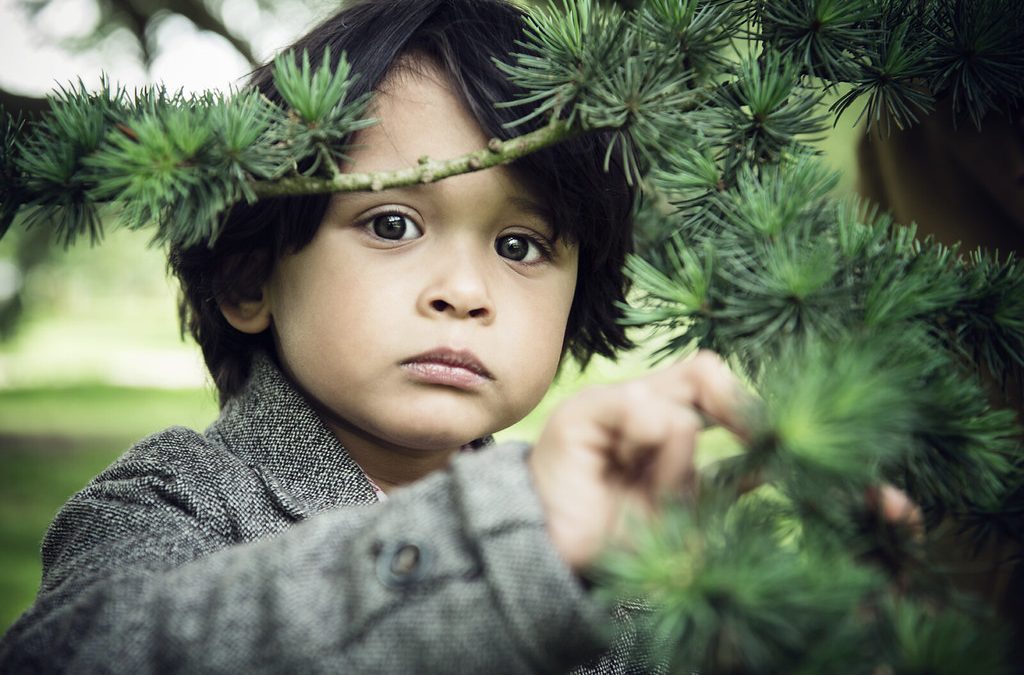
{"points": [[449, 367]]}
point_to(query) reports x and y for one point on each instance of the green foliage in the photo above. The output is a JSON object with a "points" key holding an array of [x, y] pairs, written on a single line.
{"points": [[702, 32], [51, 160], [977, 54], [640, 101], [864, 343], [746, 76], [322, 119], [923, 642], [177, 161], [735, 590], [240, 125], [760, 114], [839, 413], [565, 48], [989, 322], [890, 81], [157, 169], [820, 35]]}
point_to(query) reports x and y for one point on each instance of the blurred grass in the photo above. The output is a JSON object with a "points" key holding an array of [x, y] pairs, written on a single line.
{"points": [[52, 441], [98, 411]]}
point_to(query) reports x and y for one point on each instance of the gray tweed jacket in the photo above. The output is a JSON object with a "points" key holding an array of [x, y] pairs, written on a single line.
{"points": [[259, 546]]}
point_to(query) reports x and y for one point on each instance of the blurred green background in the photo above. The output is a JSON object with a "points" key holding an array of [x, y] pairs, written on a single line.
{"points": [[91, 358]]}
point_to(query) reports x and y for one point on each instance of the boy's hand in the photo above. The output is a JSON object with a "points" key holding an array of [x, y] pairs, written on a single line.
{"points": [[608, 453]]}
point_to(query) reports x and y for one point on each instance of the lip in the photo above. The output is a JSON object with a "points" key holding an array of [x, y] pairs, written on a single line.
{"points": [[459, 368]]}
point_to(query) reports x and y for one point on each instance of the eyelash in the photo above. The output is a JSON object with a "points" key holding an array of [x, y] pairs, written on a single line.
{"points": [[366, 223], [544, 246]]}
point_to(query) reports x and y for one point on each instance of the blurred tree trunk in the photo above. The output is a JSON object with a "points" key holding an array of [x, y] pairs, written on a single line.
{"points": [[961, 184], [956, 182]]}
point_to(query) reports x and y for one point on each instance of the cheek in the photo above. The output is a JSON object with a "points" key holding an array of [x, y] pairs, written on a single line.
{"points": [[312, 299], [546, 315]]}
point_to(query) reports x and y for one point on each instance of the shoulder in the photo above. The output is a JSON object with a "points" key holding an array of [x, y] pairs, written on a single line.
{"points": [[176, 454], [177, 475], [173, 459], [172, 497]]}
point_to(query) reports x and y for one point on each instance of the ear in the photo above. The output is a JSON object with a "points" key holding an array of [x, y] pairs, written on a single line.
{"points": [[250, 315]]}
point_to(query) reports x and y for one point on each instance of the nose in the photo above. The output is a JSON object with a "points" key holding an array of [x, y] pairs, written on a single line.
{"points": [[459, 289]]}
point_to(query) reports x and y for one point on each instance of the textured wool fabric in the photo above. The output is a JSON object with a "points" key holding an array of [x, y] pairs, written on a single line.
{"points": [[259, 546]]}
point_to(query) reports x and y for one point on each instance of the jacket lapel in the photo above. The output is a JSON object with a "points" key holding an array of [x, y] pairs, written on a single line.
{"points": [[271, 426]]}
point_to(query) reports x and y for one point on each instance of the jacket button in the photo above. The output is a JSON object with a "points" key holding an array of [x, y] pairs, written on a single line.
{"points": [[402, 563]]}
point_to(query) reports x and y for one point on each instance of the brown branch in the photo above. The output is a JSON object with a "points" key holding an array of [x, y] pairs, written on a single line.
{"points": [[198, 13], [427, 171]]}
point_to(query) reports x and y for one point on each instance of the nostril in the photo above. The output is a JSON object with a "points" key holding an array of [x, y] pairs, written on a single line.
{"points": [[439, 305], [478, 313]]}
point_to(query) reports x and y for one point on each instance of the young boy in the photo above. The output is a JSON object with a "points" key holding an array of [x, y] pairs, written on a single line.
{"points": [[368, 341]]}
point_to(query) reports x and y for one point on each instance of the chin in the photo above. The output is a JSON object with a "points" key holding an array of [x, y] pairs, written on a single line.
{"points": [[440, 431], [432, 439], [437, 422]]}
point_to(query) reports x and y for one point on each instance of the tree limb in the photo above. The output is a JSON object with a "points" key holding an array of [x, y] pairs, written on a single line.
{"points": [[427, 171], [198, 13]]}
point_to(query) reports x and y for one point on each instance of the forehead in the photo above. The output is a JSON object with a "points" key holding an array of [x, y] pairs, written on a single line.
{"points": [[419, 115]]}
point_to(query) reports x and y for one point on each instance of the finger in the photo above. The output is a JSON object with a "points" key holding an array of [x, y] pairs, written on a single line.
{"points": [[655, 461], [705, 383], [656, 448], [896, 508], [649, 439], [675, 471], [644, 428]]}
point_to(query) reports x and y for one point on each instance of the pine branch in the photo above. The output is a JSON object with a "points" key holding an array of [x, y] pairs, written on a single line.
{"points": [[731, 592], [826, 37], [50, 162], [564, 51], [428, 170], [816, 299], [892, 81], [764, 112], [181, 162], [702, 32], [979, 55]]}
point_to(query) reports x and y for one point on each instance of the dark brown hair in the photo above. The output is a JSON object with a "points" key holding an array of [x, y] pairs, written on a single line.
{"points": [[591, 207]]}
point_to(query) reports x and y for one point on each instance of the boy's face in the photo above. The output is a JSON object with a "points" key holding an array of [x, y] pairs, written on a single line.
{"points": [[424, 317]]}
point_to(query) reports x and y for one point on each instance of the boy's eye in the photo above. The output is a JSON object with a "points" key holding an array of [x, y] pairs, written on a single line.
{"points": [[520, 248], [395, 226]]}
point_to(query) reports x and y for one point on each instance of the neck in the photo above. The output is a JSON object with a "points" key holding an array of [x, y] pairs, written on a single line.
{"points": [[389, 465]]}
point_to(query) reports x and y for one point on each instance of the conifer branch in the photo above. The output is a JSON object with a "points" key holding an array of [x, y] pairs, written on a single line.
{"points": [[428, 170]]}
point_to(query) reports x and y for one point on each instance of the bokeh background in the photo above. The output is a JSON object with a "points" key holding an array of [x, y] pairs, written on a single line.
{"points": [[91, 358]]}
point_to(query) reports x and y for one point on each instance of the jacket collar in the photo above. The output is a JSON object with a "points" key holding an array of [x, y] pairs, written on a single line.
{"points": [[272, 427]]}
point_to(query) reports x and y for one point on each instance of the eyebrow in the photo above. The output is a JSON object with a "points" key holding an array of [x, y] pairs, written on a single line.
{"points": [[537, 210]]}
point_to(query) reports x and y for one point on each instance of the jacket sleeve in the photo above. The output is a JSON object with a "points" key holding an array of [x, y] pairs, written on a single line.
{"points": [[452, 573]]}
